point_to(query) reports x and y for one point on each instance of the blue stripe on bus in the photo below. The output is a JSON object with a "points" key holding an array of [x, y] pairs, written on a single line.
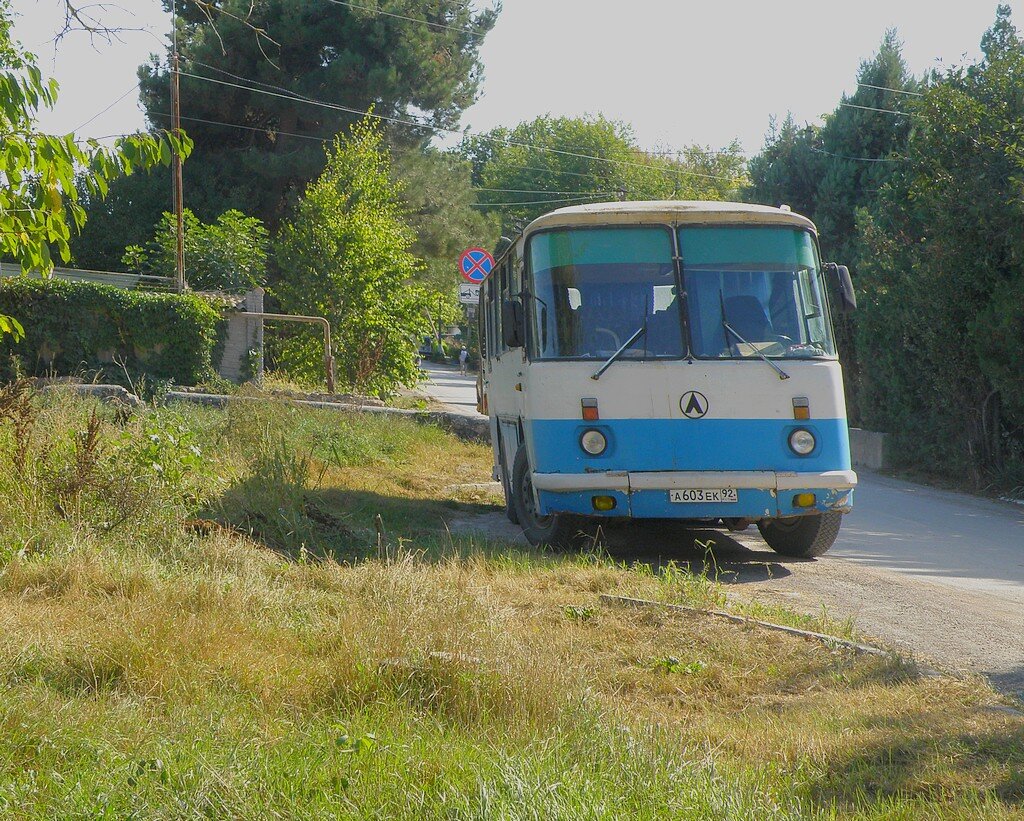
{"points": [[688, 444]]}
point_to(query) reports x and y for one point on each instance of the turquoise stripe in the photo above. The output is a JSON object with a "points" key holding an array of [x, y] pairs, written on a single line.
{"points": [[731, 246]]}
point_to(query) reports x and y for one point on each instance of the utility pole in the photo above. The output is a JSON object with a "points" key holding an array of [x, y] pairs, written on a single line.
{"points": [[179, 270]]}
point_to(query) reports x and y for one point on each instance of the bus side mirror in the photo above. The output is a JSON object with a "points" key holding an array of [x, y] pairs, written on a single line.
{"points": [[842, 284], [513, 329]]}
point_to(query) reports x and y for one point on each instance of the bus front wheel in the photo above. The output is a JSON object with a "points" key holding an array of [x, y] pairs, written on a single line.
{"points": [[557, 530], [802, 537]]}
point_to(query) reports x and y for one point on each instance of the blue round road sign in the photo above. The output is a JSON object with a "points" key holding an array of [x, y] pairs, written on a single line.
{"points": [[475, 264]]}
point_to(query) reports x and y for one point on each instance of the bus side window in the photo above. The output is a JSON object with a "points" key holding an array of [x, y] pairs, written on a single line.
{"points": [[494, 308], [515, 282], [503, 295]]}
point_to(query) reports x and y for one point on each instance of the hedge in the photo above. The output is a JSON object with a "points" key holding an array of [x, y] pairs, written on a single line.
{"points": [[80, 328]]}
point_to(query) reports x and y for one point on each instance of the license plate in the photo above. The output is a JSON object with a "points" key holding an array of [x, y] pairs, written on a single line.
{"points": [[703, 495]]}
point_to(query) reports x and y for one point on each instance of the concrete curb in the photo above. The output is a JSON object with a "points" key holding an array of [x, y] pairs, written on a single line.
{"points": [[105, 393], [467, 428], [857, 647]]}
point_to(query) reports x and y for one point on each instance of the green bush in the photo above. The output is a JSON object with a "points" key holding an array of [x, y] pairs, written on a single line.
{"points": [[76, 327]]}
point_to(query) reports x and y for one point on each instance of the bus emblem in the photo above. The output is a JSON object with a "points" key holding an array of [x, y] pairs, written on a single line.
{"points": [[693, 404]]}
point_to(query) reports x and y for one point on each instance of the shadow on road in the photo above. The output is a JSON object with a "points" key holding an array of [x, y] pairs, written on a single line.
{"points": [[731, 558]]}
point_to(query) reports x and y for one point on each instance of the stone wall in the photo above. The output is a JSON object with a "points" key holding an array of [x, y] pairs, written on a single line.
{"points": [[244, 334], [868, 449]]}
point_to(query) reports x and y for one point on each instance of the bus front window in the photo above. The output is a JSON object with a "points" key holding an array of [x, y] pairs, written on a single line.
{"points": [[593, 288], [754, 291]]}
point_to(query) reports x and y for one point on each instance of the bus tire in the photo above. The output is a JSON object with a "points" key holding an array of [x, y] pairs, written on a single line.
{"points": [[802, 537], [555, 530], [510, 507]]}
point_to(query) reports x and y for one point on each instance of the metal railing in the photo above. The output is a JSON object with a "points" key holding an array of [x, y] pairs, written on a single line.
{"points": [[313, 320], [117, 279]]}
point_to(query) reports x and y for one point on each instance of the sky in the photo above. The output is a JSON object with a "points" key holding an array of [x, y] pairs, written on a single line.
{"points": [[681, 72]]}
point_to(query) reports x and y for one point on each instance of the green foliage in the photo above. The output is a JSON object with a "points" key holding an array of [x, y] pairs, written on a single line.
{"points": [[227, 255], [348, 55], [943, 275], [38, 198], [440, 207], [829, 172], [168, 448], [127, 215], [39, 204], [578, 159], [71, 327], [346, 255]]}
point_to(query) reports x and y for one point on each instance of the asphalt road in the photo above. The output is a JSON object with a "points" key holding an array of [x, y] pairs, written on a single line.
{"points": [[932, 572]]}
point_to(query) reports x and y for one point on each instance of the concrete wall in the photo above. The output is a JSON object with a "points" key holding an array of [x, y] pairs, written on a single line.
{"points": [[868, 449], [244, 335]]}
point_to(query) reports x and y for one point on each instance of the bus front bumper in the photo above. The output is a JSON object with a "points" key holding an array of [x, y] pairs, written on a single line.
{"points": [[759, 494]]}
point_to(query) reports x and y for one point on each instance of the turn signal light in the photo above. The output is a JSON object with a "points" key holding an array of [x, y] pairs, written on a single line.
{"points": [[804, 500], [589, 408], [603, 503], [801, 407]]}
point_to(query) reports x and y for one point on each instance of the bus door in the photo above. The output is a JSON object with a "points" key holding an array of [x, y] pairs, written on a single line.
{"points": [[506, 371]]}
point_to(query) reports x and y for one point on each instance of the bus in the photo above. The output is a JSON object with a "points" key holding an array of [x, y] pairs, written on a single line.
{"points": [[668, 360]]}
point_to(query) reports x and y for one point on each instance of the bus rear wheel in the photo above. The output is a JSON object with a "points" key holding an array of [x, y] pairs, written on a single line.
{"points": [[556, 530], [802, 537]]}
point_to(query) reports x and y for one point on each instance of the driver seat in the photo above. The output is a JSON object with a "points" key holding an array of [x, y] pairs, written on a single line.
{"points": [[747, 315]]}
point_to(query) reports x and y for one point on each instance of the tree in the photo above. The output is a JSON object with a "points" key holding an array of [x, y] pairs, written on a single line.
{"points": [[257, 134], [551, 162], [829, 172], [39, 199], [943, 272], [439, 204], [228, 255], [346, 255], [127, 215], [788, 169]]}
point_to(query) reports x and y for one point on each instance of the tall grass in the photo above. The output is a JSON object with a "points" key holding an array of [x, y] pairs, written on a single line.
{"points": [[196, 621]]}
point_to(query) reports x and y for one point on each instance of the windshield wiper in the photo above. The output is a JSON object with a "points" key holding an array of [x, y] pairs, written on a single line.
{"points": [[639, 332], [730, 330]]}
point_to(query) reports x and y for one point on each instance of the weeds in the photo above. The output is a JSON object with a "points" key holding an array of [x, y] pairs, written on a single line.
{"points": [[17, 407], [156, 659]]}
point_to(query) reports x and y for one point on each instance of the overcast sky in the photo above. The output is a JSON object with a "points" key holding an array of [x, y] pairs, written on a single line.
{"points": [[681, 72]]}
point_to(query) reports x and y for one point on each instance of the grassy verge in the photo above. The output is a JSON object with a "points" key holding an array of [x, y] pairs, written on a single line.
{"points": [[260, 612]]}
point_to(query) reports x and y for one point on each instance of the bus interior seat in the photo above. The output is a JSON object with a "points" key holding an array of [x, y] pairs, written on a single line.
{"points": [[747, 315]]}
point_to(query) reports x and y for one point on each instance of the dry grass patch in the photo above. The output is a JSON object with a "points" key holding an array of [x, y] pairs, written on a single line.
{"points": [[279, 664]]}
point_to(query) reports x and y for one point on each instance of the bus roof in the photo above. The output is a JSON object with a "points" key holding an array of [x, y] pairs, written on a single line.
{"points": [[667, 211]]}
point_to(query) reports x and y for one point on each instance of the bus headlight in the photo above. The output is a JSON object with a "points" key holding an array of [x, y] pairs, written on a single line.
{"points": [[802, 442], [593, 442]]}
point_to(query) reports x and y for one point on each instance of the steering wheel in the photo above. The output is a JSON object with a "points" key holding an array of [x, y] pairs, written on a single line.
{"points": [[784, 342], [610, 333]]}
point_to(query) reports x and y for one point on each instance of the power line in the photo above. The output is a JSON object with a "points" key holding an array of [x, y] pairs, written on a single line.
{"points": [[265, 130], [531, 202], [105, 110], [879, 110], [893, 90], [858, 159], [438, 129], [268, 131], [467, 29], [543, 191], [306, 136]]}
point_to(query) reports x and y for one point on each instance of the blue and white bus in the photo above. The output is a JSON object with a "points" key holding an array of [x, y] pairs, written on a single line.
{"points": [[668, 360]]}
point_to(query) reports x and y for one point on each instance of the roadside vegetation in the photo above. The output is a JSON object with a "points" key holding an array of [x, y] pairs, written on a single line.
{"points": [[273, 611]]}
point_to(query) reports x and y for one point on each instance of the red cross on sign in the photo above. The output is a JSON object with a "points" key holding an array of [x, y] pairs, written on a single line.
{"points": [[475, 264]]}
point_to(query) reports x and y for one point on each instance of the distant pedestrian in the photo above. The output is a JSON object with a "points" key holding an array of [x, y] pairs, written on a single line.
{"points": [[463, 360]]}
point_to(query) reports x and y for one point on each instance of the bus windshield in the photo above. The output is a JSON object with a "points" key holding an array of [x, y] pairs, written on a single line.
{"points": [[592, 289], [754, 291]]}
